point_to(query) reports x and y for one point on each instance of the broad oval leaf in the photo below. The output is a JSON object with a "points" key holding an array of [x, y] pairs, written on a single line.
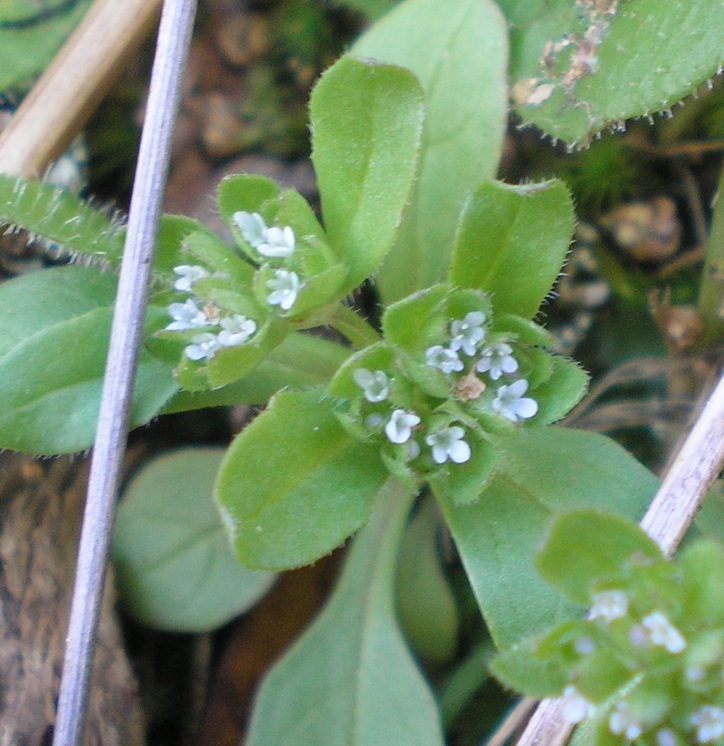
{"points": [[350, 679], [542, 471], [366, 136], [584, 546], [579, 67], [512, 242], [458, 51], [174, 567], [294, 485], [54, 331]]}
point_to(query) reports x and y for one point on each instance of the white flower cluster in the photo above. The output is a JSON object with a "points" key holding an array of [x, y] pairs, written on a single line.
{"points": [[234, 329], [446, 443], [467, 337], [274, 243]]}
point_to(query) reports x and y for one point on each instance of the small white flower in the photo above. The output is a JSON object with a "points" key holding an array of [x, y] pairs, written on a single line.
{"points": [[709, 723], [510, 403], [186, 316], [284, 287], [609, 605], [695, 673], [374, 421], [584, 646], [468, 332], [252, 226], [203, 347], [399, 427], [496, 359], [443, 359], [662, 632], [277, 242], [236, 330], [622, 721], [576, 707], [376, 386], [447, 444], [666, 737], [267, 241], [188, 275]]}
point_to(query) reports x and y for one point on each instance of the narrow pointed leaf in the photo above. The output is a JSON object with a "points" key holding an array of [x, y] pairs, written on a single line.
{"points": [[294, 485], [366, 135], [350, 679]]}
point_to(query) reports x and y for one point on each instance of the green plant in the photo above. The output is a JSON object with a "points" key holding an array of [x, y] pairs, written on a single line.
{"points": [[452, 394]]}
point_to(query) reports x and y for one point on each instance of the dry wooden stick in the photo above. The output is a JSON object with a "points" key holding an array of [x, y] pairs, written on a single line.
{"points": [[695, 468], [65, 95]]}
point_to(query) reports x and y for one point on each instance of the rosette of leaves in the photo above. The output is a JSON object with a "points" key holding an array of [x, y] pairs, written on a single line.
{"points": [[645, 665], [367, 126]]}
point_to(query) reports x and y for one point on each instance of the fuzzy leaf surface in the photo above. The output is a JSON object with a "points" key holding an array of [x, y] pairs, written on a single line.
{"points": [[294, 485], [174, 567], [60, 217], [512, 243], [543, 471], [350, 678], [647, 58], [54, 331], [366, 137], [458, 51], [300, 361]]}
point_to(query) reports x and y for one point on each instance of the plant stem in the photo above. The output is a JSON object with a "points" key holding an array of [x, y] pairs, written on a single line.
{"points": [[352, 326], [462, 683], [172, 47], [711, 294]]}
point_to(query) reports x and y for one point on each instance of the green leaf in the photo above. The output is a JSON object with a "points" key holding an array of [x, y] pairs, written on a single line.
{"points": [[512, 243], [425, 602], [464, 483], [174, 568], [300, 361], [294, 485], [54, 331], [644, 58], [31, 34], [561, 391], [518, 668], [350, 678], [584, 546], [366, 135], [60, 217], [458, 51], [373, 9], [542, 472]]}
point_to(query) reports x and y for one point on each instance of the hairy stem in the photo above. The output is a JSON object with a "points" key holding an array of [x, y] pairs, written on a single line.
{"points": [[711, 295]]}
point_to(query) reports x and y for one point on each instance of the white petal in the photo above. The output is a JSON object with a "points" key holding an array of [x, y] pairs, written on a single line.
{"points": [[526, 408], [459, 452]]}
